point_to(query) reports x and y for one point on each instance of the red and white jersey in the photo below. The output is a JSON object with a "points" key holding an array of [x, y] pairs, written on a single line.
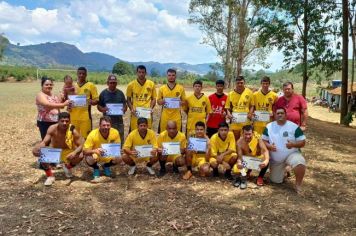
{"points": [[218, 110]]}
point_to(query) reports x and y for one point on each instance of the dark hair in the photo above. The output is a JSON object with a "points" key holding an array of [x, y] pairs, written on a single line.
{"points": [[198, 82], [82, 68], [239, 78], [247, 128], [170, 70], [287, 83], [220, 81], [110, 76], [142, 120], [105, 118], [44, 79], [200, 124], [223, 125], [265, 79], [67, 77], [63, 114], [141, 67], [280, 107]]}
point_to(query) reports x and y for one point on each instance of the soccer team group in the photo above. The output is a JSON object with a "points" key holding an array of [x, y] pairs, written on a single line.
{"points": [[238, 129]]}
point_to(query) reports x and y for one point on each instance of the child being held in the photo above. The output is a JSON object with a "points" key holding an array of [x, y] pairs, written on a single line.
{"points": [[68, 89]]}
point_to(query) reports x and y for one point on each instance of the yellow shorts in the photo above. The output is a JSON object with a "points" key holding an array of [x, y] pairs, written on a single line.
{"points": [[172, 158], [139, 160], [226, 159], [198, 161], [259, 128], [64, 154], [101, 159], [238, 126], [133, 123], [82, 126]]}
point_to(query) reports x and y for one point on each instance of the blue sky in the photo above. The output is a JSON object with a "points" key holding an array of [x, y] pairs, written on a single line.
{"points": [[132, 30]]}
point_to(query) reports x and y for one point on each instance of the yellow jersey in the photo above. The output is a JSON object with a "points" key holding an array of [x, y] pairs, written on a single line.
{"points": [[198, 109], [95, 139], [135, 139], [237, 102], [84, 113], [141, 94], [164, 137], [263, 102], [218, 146]]}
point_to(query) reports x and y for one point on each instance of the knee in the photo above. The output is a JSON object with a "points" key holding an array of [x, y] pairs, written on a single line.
{"points": [[90, 160], [180, 161], [204, 170]]}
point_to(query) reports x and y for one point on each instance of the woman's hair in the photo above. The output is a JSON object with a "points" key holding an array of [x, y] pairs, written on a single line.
{"points": [[44, 79]]}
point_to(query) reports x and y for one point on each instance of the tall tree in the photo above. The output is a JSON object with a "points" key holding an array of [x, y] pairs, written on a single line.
{"points": [[345, 60], [302, 30]]}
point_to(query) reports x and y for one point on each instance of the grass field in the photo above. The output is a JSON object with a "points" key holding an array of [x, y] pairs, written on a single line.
{"points": [[144, 205]]}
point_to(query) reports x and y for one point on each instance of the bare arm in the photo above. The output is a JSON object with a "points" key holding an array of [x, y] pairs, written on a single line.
{"points": [[304, 118], [264, 152], [129, 103], [45, 142], [153, 103], [41, 99], [102, 109], [297, 144]]}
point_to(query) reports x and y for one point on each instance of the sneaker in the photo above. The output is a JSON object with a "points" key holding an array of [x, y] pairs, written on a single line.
{"points": [[187, 175], [237, 182], [228, 175], [243, 184], [96, 176], [150, 170], [132, 170], [49, 181], [107, 171], [67, 172], [162, 172], [259, 181]]}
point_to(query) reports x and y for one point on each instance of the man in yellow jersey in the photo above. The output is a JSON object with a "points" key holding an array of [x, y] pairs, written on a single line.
{"points": [[263, 101], [141, 98], [166, 141], [171, 96], [94, 150], [239, 106], [199, 159], [141, 146], [62, 135], [197, 107], [253, 146], [223, 150], [81, 115]]}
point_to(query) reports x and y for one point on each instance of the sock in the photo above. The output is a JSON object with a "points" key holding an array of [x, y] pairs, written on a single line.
{"points": [[94, 166], [215, 171], [49, 172], [163, 165], [189, 168], [228, 172], [109, 164], [149, 164]]}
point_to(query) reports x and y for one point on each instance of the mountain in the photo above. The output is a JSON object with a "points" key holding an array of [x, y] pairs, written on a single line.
{"points": [[63, 55]]}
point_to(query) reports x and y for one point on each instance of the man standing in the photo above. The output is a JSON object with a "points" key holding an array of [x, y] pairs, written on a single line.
{"points": [[295, 105], [223, 150], [263, 101], [135, 143], [217, 101], [81, 116], [95, 153], [166, 93], [283, 139], [197, 107], [111, 97], [239, 106], [62, 135], [141, 95], [173, 136]]}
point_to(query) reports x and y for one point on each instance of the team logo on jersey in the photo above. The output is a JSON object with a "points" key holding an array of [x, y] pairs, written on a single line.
{"points": [[86, 90], [223, 103], [270, 100], [148, 141], [285, 134], [112, 141], [203, 103], [177, 94], [145, 95], [148, 89], [247, 97]]}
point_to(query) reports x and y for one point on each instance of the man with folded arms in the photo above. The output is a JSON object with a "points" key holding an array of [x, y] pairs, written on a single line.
{"points": [[62, 135]]}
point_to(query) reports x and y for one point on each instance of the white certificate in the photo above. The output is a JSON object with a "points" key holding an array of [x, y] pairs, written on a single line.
{"points": [[78, 100], [115, 109], [143, 112], [50, 155], [172, 103], [262, 116], [197, 144], [170, 148], [111, 149], [252, 163], [239, 117], [143, 151]]}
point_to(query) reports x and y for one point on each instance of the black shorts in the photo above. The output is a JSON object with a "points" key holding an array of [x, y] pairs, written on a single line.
{"points": [[211, 131], [43, 127]]}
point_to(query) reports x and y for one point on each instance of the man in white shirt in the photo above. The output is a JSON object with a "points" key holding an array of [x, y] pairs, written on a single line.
{"points": [[283, 139]]}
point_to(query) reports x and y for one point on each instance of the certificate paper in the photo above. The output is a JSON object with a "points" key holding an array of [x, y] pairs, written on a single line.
{"points": [[143, 112], [252, 163], [172, 103], [50, 155], [197, 144], [111, 149], [262, 116], [143, 151], [78, 100], [239, 117], [115, 109], [170, 148]]}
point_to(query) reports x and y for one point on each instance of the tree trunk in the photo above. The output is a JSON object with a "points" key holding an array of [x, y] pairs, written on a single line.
{"points": [[227, 66], [345, 42], [241, 24], [305, 48], [353, 61]]}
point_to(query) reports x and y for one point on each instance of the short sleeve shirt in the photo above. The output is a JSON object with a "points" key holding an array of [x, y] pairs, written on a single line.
{"points": [[294, 107]]}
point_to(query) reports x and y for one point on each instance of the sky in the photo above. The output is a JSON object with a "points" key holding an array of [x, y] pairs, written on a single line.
{"points": [[132, 30]]}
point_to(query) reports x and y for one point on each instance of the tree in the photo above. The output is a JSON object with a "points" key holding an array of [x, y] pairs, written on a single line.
{"points": [[123, 68], [3, 44], [345, 55], [154, 72], [303, 30]]}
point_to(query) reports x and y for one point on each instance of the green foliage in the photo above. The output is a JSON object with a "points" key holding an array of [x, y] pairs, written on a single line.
{"points": [[348, 119], [123, 68], [3, 43], [154, 72]]}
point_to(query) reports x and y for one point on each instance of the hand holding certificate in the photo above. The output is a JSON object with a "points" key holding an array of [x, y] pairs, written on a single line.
{"points": [[172, 103], [78, 100], [144, 151], [111, 149], [262, 116], [115, 109], [50, 155], [171, 148], [252, 163], [197, 144], [143, 112], [239, 117]]}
